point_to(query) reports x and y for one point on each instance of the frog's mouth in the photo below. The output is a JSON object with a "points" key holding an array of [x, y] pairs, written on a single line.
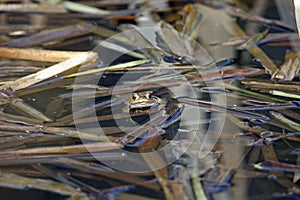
{"points": [[143, 106], [140, 115], [144, 111]]}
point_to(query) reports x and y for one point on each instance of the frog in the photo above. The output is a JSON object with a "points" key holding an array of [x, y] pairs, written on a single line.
{"points": [[144, 100], [141, 106], [162, 114]]}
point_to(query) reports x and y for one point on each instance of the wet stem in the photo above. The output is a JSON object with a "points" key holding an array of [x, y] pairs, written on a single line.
{"points": [[297, 14]]}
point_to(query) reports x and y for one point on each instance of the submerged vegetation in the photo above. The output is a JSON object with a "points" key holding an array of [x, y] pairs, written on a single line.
{"points": [[145, 99]]}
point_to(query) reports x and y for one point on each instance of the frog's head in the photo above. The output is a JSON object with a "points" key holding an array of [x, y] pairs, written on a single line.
{"points": [[143, 100]]}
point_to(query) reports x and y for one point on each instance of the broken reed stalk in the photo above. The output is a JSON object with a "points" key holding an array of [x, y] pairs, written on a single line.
{"points": [[270, 154], [19, 182], [51, 71], [77, 7], [31, 8], [155, 161], [253, 94], [297, 14], [8, 97], [82, 148], [76, 60], [51, 35], [263, 84], [19, 105], [19, 119], [112, 67], [37, 54], [284, 94], [256, 52]]}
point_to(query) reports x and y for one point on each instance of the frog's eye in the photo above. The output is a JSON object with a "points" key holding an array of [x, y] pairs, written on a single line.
{"points": [[148, 95], [135, 96]]}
